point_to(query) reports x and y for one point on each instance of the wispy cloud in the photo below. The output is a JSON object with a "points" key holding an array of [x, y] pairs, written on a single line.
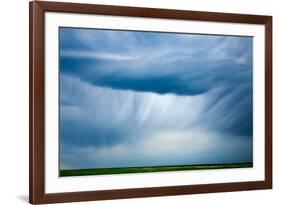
{"points": [[98, 55]]}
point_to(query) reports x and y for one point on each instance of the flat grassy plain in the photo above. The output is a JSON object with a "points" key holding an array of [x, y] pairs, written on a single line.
{"points": [[127, 170]]}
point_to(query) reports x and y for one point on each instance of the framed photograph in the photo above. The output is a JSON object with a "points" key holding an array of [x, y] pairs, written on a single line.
{"points": [[138, 102]]}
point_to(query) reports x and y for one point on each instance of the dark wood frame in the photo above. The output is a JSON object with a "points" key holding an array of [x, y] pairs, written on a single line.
{"points": [[37, 194]]}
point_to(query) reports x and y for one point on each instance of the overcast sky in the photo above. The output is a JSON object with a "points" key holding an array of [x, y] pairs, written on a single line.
{"points": [[149, 98]]}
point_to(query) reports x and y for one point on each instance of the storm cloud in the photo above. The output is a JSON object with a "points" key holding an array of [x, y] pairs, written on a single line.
{"points": [[149, 98]]}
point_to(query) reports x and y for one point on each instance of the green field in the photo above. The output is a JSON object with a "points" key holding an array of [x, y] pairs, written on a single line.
{"points": [[126, 170]]}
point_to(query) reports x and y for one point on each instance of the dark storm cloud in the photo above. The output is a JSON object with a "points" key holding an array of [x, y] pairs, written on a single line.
{"points": [[156, 62]]}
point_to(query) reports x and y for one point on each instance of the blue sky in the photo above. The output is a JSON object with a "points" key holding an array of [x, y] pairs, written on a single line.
{"points": [[149, 98]]}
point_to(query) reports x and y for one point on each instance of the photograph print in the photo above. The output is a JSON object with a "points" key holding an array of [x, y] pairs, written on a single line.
{"points": [[145, 101]]}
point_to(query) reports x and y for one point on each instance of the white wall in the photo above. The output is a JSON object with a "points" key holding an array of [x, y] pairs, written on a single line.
{"points": [[14, 101]]}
